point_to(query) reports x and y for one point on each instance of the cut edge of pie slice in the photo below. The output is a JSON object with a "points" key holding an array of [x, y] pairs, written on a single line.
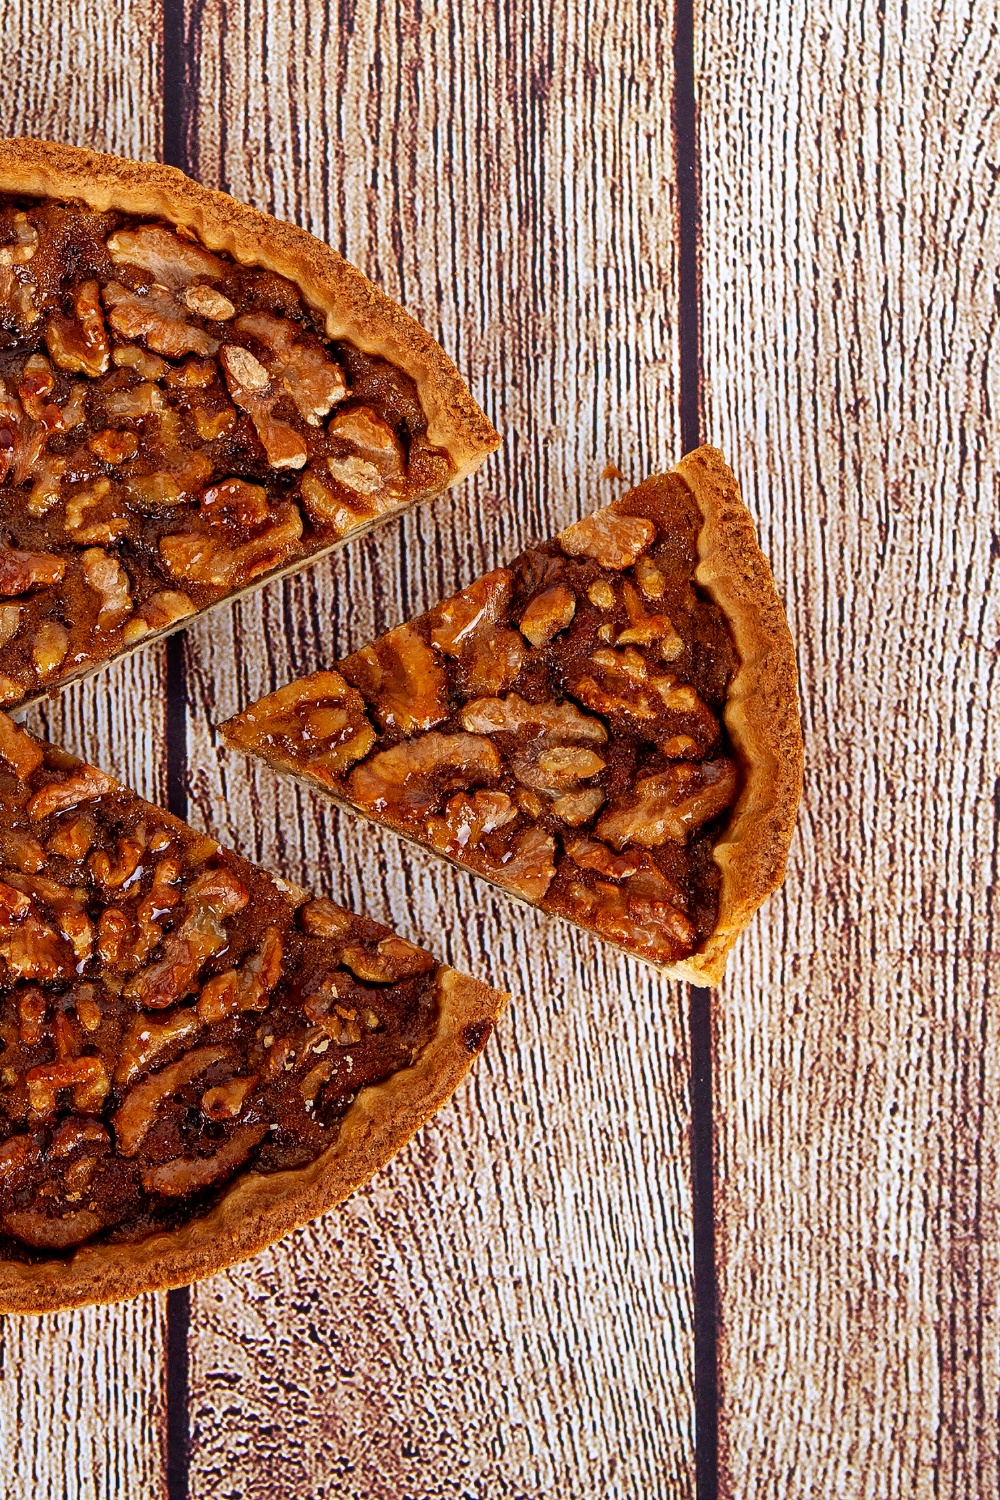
{"points": [[256, 1208], [352, 308], [760, 715]]}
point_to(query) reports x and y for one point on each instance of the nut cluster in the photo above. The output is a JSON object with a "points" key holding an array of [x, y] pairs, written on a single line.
{"points": [[556, 726], [172, 426], [166, 1012]]}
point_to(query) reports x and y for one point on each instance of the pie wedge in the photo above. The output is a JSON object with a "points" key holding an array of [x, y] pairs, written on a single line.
{"points": [[194, 1057], [193, 397], [608, 727]]}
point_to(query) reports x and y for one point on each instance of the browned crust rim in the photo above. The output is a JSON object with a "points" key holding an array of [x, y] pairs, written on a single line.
{"points": [[352, 306], [761, 713], [258, 1210]]}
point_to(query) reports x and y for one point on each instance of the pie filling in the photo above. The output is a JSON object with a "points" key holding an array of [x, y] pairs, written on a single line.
{"points": [[170, 1016], [555, 727], [173, 425]]}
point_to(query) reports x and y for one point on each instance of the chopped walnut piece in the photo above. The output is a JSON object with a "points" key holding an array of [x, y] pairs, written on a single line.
{"points": [[88, 1009], [591, 854], [528, 869], [208, 303], [548, 614], [559, 769], [24, 245], [356, 474], [412, 778], [112, 876], [192, 375], [403, 680], [245, 988], [73, 1132], [158, 318], [328, 511], [80, 343], [314, 382], [468, 819], [131, 357], [36, 386], [211, 897], [210, 425], [322, 918], [107, 577], [49, 647], [579, 807], [85, 785], [226, 1100], [644, 629], [650, 579], [472, 613], [86, 1076], [557, 723], [47, 488], [671, 805], [203, 558], [191, 1174], [251, 388], [137, 1115], [20, 572], [73, 840], [373, 441], [389, 961], [145, 1041], [32, 1008], [612, 539], [171, 261], [158, 612], [22, 753], [237, 502], [315, 1079], [324, 717], [24, 852], [86, 532], [601, 594], [112, 446]]}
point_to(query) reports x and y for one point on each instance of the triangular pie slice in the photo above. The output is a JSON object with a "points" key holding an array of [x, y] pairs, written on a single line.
{"points": [[194, 1057], [608, 727], [193, 397]]}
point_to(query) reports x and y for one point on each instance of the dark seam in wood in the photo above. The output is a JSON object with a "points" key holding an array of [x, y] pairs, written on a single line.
{"points": [[688, 209], [178, 146], [700, 1001]]}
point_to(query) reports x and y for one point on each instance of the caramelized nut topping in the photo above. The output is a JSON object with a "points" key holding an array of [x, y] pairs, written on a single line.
{"points": [[167, 1013], [556, 726], [148, 379]]}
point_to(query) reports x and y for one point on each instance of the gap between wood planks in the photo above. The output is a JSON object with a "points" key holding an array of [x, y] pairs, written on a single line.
{"points": [[180, 86], [179, 83]]}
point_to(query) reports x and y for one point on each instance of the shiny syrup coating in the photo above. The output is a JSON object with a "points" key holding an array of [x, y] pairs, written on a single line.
{"points": [[556, 727], [169, 1016], [172, 426]]}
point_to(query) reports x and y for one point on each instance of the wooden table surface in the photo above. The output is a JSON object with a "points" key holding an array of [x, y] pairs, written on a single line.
{"points": [[509, 1309]]}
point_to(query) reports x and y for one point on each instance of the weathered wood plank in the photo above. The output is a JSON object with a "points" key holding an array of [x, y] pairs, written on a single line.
{"points": [[508, 1310], [850, 251], [81, 1394]]}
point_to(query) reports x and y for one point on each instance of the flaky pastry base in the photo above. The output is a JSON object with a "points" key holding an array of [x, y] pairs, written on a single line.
{"points": [[761, 712], [257, 1210], [353, 308]]}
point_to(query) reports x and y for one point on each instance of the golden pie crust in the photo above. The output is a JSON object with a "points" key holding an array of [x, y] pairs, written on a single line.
{"points": [[352, 306], [761, 713]]}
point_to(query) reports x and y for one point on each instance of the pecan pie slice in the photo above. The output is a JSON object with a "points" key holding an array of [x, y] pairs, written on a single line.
{"points": [[194, 1056], [193, 397], [608, 727]]}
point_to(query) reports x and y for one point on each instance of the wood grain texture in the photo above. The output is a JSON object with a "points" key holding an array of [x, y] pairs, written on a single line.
{"points": [[81, 1394], [507, 1312], [850, 249]]}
